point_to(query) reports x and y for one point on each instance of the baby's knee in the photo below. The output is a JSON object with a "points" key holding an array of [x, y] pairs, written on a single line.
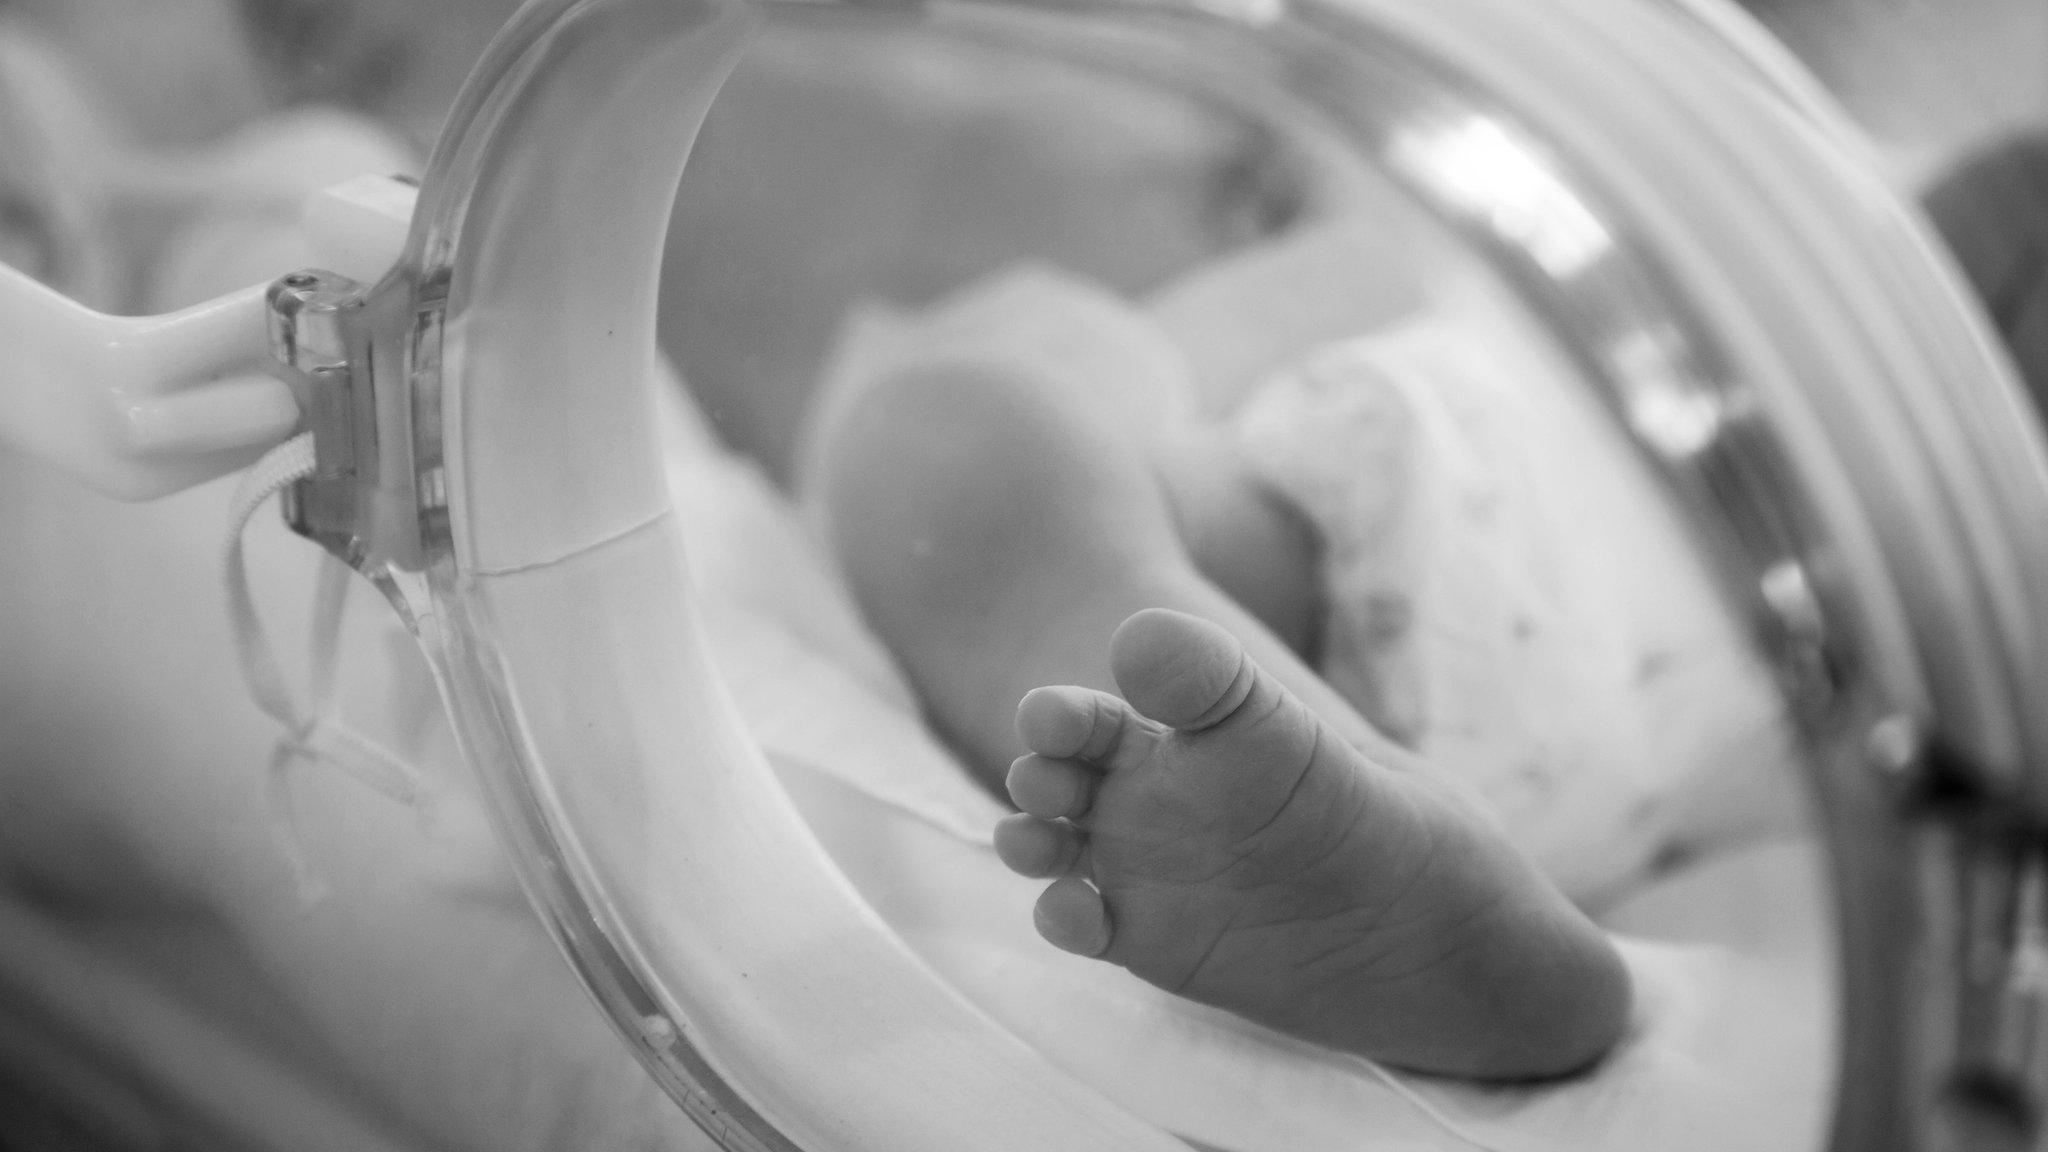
{"points": [[985, 456]]}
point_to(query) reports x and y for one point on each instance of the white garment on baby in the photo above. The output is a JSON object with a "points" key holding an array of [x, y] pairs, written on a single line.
{"points": [[1508, 593]]}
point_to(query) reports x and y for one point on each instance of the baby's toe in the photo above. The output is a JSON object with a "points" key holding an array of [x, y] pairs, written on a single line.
{"points": [[1180, 670], [1051, 789], [1071, 916], [1039, 849], [1072, 723]]}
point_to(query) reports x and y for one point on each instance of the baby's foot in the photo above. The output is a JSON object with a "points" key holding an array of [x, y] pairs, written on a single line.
{"points": [[1221, 841]]}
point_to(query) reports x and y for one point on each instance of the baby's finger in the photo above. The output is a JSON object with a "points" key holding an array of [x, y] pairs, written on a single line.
{"points": [[1039, 849], [1051, 789]]}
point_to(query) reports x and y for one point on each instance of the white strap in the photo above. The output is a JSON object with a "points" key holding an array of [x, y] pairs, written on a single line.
{"points": [[310, 729]]}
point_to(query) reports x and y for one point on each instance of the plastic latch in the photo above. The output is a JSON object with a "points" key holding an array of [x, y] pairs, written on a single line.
{"points": [[319, 337]]}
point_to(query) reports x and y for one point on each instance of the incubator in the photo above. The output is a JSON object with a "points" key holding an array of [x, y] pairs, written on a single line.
{"points": [[1667, 489]]}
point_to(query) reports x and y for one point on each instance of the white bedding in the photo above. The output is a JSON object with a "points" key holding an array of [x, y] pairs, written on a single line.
{"points": [[1729, 1049]]}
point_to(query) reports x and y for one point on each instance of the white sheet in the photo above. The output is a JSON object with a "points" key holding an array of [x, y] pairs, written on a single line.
{"points": [[1728, 1050]]}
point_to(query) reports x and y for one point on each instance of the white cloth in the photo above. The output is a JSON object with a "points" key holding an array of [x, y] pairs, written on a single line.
{"points": [[1508, 593], [1728, 1051]]}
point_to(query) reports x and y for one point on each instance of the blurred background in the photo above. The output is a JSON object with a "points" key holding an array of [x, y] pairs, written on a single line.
{"points": [[1953, 92]]}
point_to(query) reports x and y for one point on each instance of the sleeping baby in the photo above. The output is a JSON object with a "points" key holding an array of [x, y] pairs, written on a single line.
{"points": [[1273, 687]]}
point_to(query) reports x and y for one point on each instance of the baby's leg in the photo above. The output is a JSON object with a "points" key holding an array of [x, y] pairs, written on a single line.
{"points": [[1217, 838], [996, 528]]}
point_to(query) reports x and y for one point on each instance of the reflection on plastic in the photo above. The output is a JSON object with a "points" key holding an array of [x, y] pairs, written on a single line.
{"points": [[1480, 165]]}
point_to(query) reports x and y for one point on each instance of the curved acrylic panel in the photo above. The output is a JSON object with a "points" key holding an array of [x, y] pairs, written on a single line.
{"points": [[677, 876], [1769, 334]]}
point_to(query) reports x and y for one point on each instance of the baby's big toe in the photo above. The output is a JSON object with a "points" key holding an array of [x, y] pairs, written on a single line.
{"points": [[1180, 670]]}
